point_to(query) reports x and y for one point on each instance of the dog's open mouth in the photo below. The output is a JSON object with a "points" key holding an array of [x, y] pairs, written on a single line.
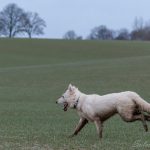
{"points": [[65, 106]]}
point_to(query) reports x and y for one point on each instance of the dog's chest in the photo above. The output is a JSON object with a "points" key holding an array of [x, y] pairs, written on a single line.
{"points": [[85, 115]]}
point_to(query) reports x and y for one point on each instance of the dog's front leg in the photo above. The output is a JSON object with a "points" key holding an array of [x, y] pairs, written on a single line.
{"points": [[99, 127], [81, 124]]}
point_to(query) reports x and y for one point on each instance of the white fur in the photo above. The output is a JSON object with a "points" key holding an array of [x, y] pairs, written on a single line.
{"points": [[99, 108]]}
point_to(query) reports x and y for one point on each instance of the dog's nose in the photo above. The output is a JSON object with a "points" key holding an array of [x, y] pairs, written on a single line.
{"points": [[56, 102]]}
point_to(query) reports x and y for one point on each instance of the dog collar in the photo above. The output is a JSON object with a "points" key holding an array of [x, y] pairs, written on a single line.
{"points": [[76, 103]]}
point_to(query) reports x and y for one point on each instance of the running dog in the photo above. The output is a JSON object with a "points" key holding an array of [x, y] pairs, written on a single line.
{"points": [[95, 108]]}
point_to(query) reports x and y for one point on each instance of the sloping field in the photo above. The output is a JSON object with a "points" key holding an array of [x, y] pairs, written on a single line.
{"points": [[34, 73]]}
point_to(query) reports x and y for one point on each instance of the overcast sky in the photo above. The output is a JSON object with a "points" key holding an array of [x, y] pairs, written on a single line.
{"points": [[83, 15]]}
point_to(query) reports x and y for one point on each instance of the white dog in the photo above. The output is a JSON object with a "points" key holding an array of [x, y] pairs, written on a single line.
{"points": [[95, 108]]}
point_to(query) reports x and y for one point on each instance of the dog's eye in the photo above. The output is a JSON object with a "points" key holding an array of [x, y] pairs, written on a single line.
{"points": [[63, 97]]}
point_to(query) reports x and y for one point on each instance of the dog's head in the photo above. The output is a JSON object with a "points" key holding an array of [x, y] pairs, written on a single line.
{"points": [[68, 99]]}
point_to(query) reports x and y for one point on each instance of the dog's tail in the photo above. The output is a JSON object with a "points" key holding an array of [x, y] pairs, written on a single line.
{"points": [[142, 104]]}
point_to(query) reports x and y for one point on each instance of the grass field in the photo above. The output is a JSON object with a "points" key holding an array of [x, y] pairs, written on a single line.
{"points": [[34, 73]]}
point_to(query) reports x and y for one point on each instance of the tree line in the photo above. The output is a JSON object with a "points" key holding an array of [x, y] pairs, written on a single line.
{"points": [[140, 31], [14, 22]]}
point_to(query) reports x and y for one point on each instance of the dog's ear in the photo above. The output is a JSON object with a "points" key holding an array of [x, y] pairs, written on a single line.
{"points": [[71, 88]]}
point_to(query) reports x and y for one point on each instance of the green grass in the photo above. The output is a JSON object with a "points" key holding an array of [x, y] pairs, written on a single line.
{"points": [[34, 73]]}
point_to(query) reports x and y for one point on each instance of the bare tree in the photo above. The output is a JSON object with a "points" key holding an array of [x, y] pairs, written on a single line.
{"points": [[123, 34], [70, 35], [10, 20], [147, 31], [33, 24], [138, 32], [101, 33], [138, 23]]}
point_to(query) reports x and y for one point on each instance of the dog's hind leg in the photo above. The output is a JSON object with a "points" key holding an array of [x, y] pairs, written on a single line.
{"points": [[81, 124], [143, 119], [129, 117], [139, 114], [147, 117], [140, 117]]}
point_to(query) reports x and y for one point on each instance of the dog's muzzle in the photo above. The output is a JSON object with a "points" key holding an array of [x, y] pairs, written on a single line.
{"points": [[65, 106]]}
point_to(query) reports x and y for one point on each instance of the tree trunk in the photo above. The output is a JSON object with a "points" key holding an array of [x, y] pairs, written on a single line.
{"points": [[30, 36], [10, 32]]}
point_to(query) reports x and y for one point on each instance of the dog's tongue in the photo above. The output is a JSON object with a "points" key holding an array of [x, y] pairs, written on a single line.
{"points": [[65, 106]]}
